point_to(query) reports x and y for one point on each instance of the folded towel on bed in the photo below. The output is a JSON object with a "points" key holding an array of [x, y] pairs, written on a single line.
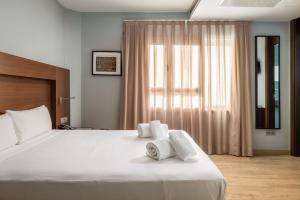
{"points": [[157, 130], [182, 145], [144, 130], [160, 149]]}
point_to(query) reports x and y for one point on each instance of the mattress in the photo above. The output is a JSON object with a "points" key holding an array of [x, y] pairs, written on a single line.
{"points": [[108, 165]]}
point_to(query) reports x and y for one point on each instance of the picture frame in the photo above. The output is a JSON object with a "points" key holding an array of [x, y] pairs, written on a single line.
{"points": [[107, 63]]}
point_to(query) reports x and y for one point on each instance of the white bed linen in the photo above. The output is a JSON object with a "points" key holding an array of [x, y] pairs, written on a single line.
{"points": [[108, 165], [28, 144]]}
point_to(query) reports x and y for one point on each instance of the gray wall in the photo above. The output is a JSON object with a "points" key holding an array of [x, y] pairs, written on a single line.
{"points": [[281, 139], [101, 94], [72, 52], [44, 31], [32, 29]]}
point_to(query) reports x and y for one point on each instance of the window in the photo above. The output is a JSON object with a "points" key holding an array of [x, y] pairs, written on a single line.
{"points": [[179, 83]]}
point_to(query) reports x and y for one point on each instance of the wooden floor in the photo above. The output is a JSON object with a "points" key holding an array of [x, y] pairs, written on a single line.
{"points": [[260, 178]]}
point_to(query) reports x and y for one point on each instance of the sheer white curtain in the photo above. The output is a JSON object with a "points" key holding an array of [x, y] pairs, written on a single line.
{"points": [[192, 76]]}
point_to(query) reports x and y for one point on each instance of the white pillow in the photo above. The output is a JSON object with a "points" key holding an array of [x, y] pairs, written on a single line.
{"points": [[8, 136], [30, 123]]}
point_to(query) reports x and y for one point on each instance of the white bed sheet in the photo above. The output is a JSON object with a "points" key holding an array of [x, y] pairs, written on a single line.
{"points": [[108, 165]]}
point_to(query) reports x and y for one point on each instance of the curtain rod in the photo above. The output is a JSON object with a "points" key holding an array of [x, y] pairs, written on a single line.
{"points": [[182, 20], [143, 20]]}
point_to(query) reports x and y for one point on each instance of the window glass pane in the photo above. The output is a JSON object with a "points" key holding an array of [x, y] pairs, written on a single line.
{"points": [[195, 66], [151, 66], [195, 102], [157, 101], [177, 63], [218, 65], [177, 101], [156, 66]]}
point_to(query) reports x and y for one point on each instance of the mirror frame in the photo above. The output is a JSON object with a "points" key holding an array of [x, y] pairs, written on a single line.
{"points": [[279, 77]]}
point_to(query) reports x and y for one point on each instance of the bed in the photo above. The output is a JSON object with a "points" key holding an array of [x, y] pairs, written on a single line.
{"points": [[110, 165], [86, 164]]}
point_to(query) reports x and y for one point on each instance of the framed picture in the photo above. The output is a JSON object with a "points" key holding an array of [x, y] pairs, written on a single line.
{"points": [[107, 63]]}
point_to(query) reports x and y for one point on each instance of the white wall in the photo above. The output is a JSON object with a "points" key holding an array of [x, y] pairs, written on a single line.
{"points": [[281, 139], [42, 30], [101, 95]]}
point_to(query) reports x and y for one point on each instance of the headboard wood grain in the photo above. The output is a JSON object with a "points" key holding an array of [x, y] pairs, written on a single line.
{"points": [[26, 84]]}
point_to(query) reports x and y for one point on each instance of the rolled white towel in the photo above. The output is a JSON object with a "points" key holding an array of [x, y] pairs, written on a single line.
{"points": [[183, 145], [160, 149], [157, 130], [144, 130]]}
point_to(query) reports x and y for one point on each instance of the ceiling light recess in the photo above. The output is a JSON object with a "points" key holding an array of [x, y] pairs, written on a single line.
{"points": [[249, 3]]}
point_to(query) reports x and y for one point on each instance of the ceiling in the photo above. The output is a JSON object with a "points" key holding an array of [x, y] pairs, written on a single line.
{"points": [[252, 10], [128, 5], [284, 10]]}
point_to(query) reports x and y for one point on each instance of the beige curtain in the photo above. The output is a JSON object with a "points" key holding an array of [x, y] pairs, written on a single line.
{"points": [[193, 76]]}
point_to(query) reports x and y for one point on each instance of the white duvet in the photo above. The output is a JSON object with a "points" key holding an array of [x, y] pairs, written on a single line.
{"points": [[108, 165]]}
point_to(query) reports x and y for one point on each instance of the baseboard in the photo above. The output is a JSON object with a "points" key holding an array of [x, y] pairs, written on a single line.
{"points": [[267, 152]]}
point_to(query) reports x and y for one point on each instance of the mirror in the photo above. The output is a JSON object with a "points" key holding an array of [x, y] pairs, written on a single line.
{"points": [[267, 82]]}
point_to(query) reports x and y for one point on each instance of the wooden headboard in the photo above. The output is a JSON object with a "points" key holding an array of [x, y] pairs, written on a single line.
{"points": [[26, 84]]}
